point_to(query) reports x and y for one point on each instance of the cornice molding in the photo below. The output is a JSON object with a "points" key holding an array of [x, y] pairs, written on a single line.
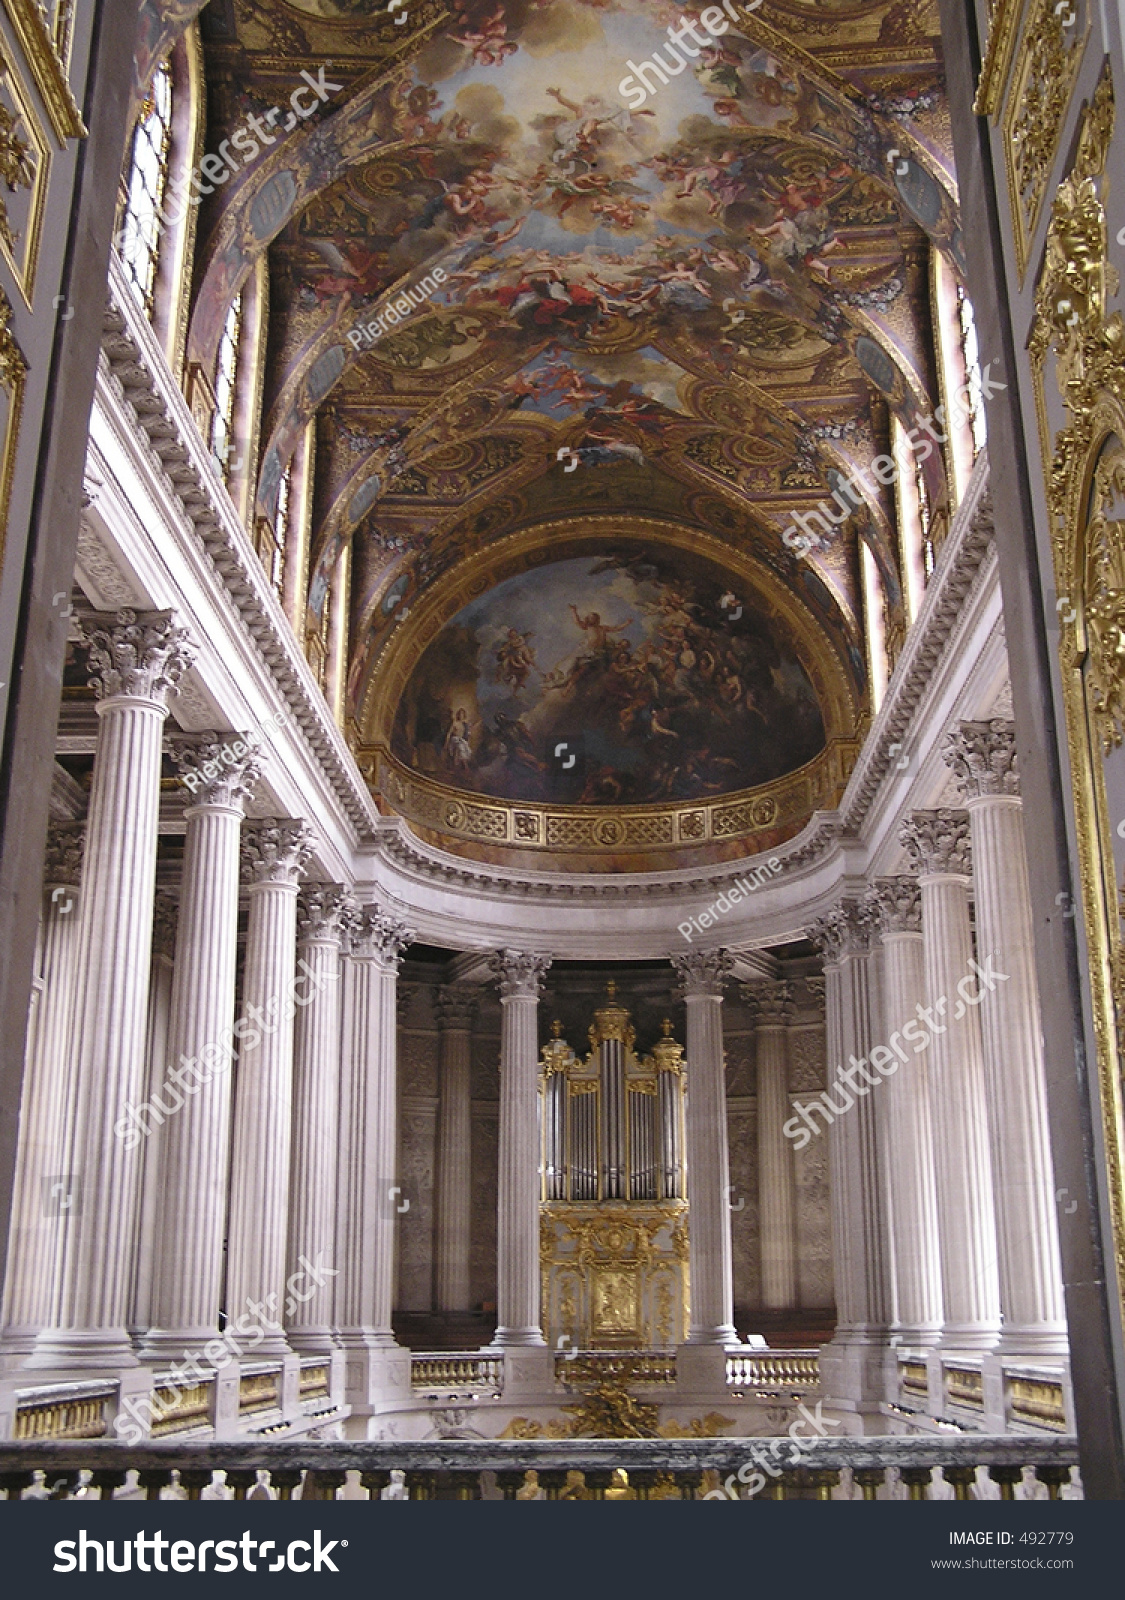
{"points": [[137, 375]]}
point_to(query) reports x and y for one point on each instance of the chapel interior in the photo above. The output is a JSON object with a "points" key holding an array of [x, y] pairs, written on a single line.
{"points": [[569, 773]]}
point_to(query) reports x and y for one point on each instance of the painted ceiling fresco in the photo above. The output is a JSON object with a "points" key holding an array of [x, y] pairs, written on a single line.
{"points": [[625, 678], [702, 305]]}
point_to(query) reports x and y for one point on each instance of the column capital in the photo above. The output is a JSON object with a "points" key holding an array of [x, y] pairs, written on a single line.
{"points": [[770, 1001], [275, 851], [983, 757], [212, 771], [62, 864], [846, 930], [521, 973], [897, 902], [165, 921], [322, 912], [703, 972], [455, 1007], [376, 935], [938, 842], [817, 987], [141, 654]]}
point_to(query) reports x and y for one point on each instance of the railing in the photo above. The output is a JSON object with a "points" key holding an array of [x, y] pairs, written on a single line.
{"points": [[776, 1372], [457, 1370], [646, 1368], [912, 1467], [63, 1410]]}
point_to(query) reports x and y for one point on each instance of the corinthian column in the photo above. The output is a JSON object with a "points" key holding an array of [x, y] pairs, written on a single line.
{"points": [[910, 1139], [368, 1148], [454, 1142], [42, 1187], [165, 916], [861, 1240], [517, 1233], [273, 856], [192, 1096], [134, 660], [321, 912], [938, 843], [701, 974], [772, 1007], [983, 755]]}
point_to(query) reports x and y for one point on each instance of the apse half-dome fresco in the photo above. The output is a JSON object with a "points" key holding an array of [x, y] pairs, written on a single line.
{"points": [[614, 679]]}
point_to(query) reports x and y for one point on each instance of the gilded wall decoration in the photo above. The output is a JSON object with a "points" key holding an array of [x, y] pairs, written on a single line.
{"points": [[13, 375], [25, 168], [1085, 469]]}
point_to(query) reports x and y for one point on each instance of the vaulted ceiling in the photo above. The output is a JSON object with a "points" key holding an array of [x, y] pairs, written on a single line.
{"points": [[680, 318]]}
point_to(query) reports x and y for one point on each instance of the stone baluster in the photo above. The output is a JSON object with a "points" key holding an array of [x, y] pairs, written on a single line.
{"points": [[517, 1234], [937, 843], [274, 854], [134, 660], [983, 755]]}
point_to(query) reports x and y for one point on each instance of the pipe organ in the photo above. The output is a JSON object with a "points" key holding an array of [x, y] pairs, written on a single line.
{"points": [[613, 1232]]}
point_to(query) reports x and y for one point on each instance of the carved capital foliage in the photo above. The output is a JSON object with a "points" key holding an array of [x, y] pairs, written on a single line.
{"points": [[62, 863], [938, 841], [521, 973], [770, 1002], [211, 771], [897, 902], [322, 912], [455, 1007], [983, 756], [165, 920], [703, 972], [377, 936], [136, 653], [275, 852], [847, 930], [817, 988]]}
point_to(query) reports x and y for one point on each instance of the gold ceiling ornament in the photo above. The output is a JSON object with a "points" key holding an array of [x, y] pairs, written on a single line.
{"points": [[1041, 84], [13, 376], [1003, 23], [1085, 471]]}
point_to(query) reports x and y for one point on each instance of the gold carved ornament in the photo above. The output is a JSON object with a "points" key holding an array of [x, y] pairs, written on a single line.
{"points": [[13, 374], [1085, 470]]}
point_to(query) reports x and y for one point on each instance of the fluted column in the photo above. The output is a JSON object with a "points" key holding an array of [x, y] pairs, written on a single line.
{"points": [[701, 974], [517, 1233], [368, 1147], [321, 911], [452, 1225], [938, 843], [134, 660], [772, 1007], [983, 755], [41, 1191], [856, 1121], [274, 854], [192, 1092], [165, 917], [910, 1143]]}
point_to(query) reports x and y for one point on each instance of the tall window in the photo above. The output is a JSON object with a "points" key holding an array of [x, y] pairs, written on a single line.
{"points": [[226, 371], [147, 181], [281, 522]]}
